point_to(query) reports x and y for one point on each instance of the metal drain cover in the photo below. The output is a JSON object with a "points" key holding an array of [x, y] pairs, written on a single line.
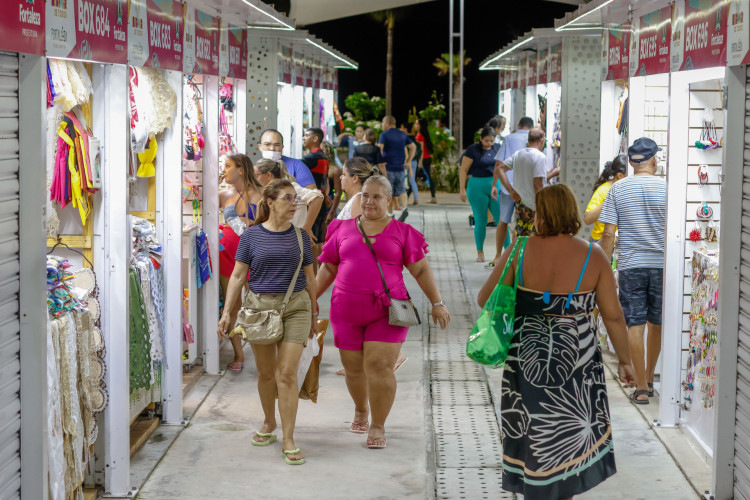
{"points": [[465, 419], [470, 484], [456, 370], [468, 450], [448, 352], [460, 392]]}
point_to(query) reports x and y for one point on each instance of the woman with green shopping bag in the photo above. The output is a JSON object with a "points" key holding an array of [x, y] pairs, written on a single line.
{"points": [[557, 438]]}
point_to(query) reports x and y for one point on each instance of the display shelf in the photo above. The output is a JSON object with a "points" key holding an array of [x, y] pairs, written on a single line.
{"points": [[140, 431]]}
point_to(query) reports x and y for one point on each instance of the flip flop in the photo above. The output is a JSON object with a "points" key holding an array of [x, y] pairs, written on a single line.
{"points": [[359, 427], [639, 401], [376, 443], [651, 389], [289, 461], [236, 367], [271, 438], [400, 363]]}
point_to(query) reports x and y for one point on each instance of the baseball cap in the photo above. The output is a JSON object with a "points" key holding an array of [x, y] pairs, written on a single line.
{"points": [[642, 149]]}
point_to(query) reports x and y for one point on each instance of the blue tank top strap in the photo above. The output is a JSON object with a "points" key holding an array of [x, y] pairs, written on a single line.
{"points": [[580, 278]]}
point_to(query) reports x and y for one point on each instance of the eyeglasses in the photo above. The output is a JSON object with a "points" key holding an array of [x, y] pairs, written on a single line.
{"points": [[294, 200]]}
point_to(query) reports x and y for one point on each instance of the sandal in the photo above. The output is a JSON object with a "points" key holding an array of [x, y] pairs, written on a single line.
{"points": [[399, 363], [271, 438], [376, 443], [236, 366], [639, 401], [651, 389], [359, 427], [289, 461]]}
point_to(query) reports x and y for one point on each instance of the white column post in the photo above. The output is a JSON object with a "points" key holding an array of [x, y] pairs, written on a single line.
{"points": [[210, 290], [32, 295], [112, 242], [169, 216]]}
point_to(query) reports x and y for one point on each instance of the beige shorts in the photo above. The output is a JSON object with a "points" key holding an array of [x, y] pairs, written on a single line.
{"points": [[297, 317]]}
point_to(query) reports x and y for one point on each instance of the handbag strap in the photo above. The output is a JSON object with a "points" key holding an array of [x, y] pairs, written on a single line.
{"points": [[296, 273], [520, 261], [367, 240], [510, 259]]}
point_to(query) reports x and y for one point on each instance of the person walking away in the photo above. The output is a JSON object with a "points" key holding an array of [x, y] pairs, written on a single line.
{"points": [[349, 141], [271, 145], [423, 137], [557, 434], [334, 181], [240, 208], [613, 171], [368, 344], [511, 145], [412, 187], [271, 250], [317, 162], [636, 206], [397, 150], [312, 199], [478, 162], [369, 151], [530, 175]]}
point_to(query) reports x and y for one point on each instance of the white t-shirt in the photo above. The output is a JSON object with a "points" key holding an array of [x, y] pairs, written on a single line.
{"points": [[527, 164]]}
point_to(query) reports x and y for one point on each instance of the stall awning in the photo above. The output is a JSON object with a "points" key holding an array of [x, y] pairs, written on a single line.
{"points": [[303, 41], [255, 13], [316, 11], [606, 14]]}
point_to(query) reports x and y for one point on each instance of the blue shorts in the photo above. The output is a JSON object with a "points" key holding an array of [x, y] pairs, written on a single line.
{"points": [[396, 178], [641, 295], [507, 207]]}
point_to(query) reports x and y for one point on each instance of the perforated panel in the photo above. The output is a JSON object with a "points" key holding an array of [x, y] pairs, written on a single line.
{"points": [[261, 90], [581, 103], [469, 484]]}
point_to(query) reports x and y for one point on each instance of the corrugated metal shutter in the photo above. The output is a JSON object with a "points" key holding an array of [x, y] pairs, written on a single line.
{"points": [[742, 412], [10, 365]]}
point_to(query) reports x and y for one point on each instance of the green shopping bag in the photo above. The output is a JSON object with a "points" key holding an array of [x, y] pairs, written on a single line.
{"points": [[490, 338]]}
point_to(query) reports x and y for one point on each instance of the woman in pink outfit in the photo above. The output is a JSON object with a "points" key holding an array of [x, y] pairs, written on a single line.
{"points": [[368, 344]]}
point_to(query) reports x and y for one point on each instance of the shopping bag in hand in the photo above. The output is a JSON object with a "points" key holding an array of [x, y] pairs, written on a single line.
{"points": [[311, 384], [489, 341]]}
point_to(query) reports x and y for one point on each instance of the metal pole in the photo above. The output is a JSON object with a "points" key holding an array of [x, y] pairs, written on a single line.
{"points": [[450, 64], [461, 79]]}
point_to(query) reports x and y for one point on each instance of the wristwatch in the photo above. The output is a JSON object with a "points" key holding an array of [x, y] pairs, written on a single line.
{"points": [[441, 303]]}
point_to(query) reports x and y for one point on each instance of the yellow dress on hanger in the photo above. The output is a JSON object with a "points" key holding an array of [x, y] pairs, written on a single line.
{"points": [[147, 169]]}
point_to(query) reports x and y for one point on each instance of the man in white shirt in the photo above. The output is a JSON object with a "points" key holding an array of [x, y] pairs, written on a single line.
{"points": [[529, 166]]}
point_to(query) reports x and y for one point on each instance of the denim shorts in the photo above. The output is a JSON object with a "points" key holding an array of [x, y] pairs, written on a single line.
{"points": [[396, 178], [641, 295], [507, 207]]}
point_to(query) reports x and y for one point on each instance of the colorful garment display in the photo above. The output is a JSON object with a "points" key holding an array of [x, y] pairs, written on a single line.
{"points": [[140, 339]]}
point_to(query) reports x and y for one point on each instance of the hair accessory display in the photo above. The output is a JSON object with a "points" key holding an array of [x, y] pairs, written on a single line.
{"points": [[704, 211], [696, 235], [702, 175]]}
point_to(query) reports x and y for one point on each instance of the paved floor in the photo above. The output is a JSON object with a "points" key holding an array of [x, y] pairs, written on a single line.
{"points": [[443, 430]]}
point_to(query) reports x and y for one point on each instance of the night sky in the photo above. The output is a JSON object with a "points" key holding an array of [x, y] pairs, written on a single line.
{"points": [[420, 36]]}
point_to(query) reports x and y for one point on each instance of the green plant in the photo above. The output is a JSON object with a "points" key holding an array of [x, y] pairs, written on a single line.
{"points": [[435, 109], [363, 107], [452, 179], [444, 144]]}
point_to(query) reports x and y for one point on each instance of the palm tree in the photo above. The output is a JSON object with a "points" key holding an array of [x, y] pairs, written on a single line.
{"points": [[443, 66], [388, 18]]}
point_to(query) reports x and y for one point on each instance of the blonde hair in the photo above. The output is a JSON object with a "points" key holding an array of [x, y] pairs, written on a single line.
{"points": [[360, 168], [557, 211], [277, 169], [383, 181]]}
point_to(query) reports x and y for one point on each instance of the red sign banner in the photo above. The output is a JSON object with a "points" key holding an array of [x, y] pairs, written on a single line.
{"points": [[237, 52], [308, 72], [206, 44], [555, 64], [22, 26], [654, 36], [705, 35], [93, 30], [299, 69], [155, 34], [531, 70], [542, 65], [617, 53]]}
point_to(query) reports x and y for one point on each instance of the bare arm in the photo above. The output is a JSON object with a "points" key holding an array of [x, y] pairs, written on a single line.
{"points": [[608, 240], [326, 275], [234, 288], [591, 216], [411, 150], [337, 188], [310, 186], [426, 280], [463, 174], [312, 287], [503, 176], [313, 209], [538, 184], [357, 207], [492, 281]]}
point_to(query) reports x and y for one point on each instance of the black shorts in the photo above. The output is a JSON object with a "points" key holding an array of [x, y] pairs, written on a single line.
{"points": [[319, 226], [641, 295]]}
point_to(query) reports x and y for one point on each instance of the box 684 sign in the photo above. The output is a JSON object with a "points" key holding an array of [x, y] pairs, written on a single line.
{"points": [[94, 30]]}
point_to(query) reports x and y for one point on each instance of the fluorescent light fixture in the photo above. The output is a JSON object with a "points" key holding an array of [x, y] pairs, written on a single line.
{"points": [[285, 28], [599, 7], [485, 66], [349, 64]]}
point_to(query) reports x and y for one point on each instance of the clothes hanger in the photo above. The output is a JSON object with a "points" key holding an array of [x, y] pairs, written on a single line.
{"points": [[59, 242]]}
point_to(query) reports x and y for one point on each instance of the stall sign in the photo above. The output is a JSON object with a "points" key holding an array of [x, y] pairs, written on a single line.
{"points": [[541, 66], [555, 64], [531, 70], [336, 79], [93, 30], [206, 44], [654, 36], [508, 80], [286, 64], [635, 30], [514, 79], [699, 34], [155, 34], [617, 53], [521, 73], [24, 31], [188, 41], [223, 48], [299, 69], [738, 33], [308, 72], [237, 52], [317, 69]]}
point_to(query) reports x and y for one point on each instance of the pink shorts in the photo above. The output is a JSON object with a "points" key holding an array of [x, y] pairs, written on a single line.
{"points": [[358, 318]]}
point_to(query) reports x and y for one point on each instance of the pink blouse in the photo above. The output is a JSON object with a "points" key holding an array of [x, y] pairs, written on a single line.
{"points": [[398, 245]]}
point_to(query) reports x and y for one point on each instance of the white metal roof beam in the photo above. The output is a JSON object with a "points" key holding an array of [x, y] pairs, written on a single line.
{"points": [[306, 12]]}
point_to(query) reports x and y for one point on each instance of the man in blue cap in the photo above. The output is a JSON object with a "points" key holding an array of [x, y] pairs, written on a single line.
{"points": [[636, 206]]}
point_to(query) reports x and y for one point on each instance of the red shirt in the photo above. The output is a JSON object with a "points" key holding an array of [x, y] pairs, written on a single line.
{"points": [[425, 153]]}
